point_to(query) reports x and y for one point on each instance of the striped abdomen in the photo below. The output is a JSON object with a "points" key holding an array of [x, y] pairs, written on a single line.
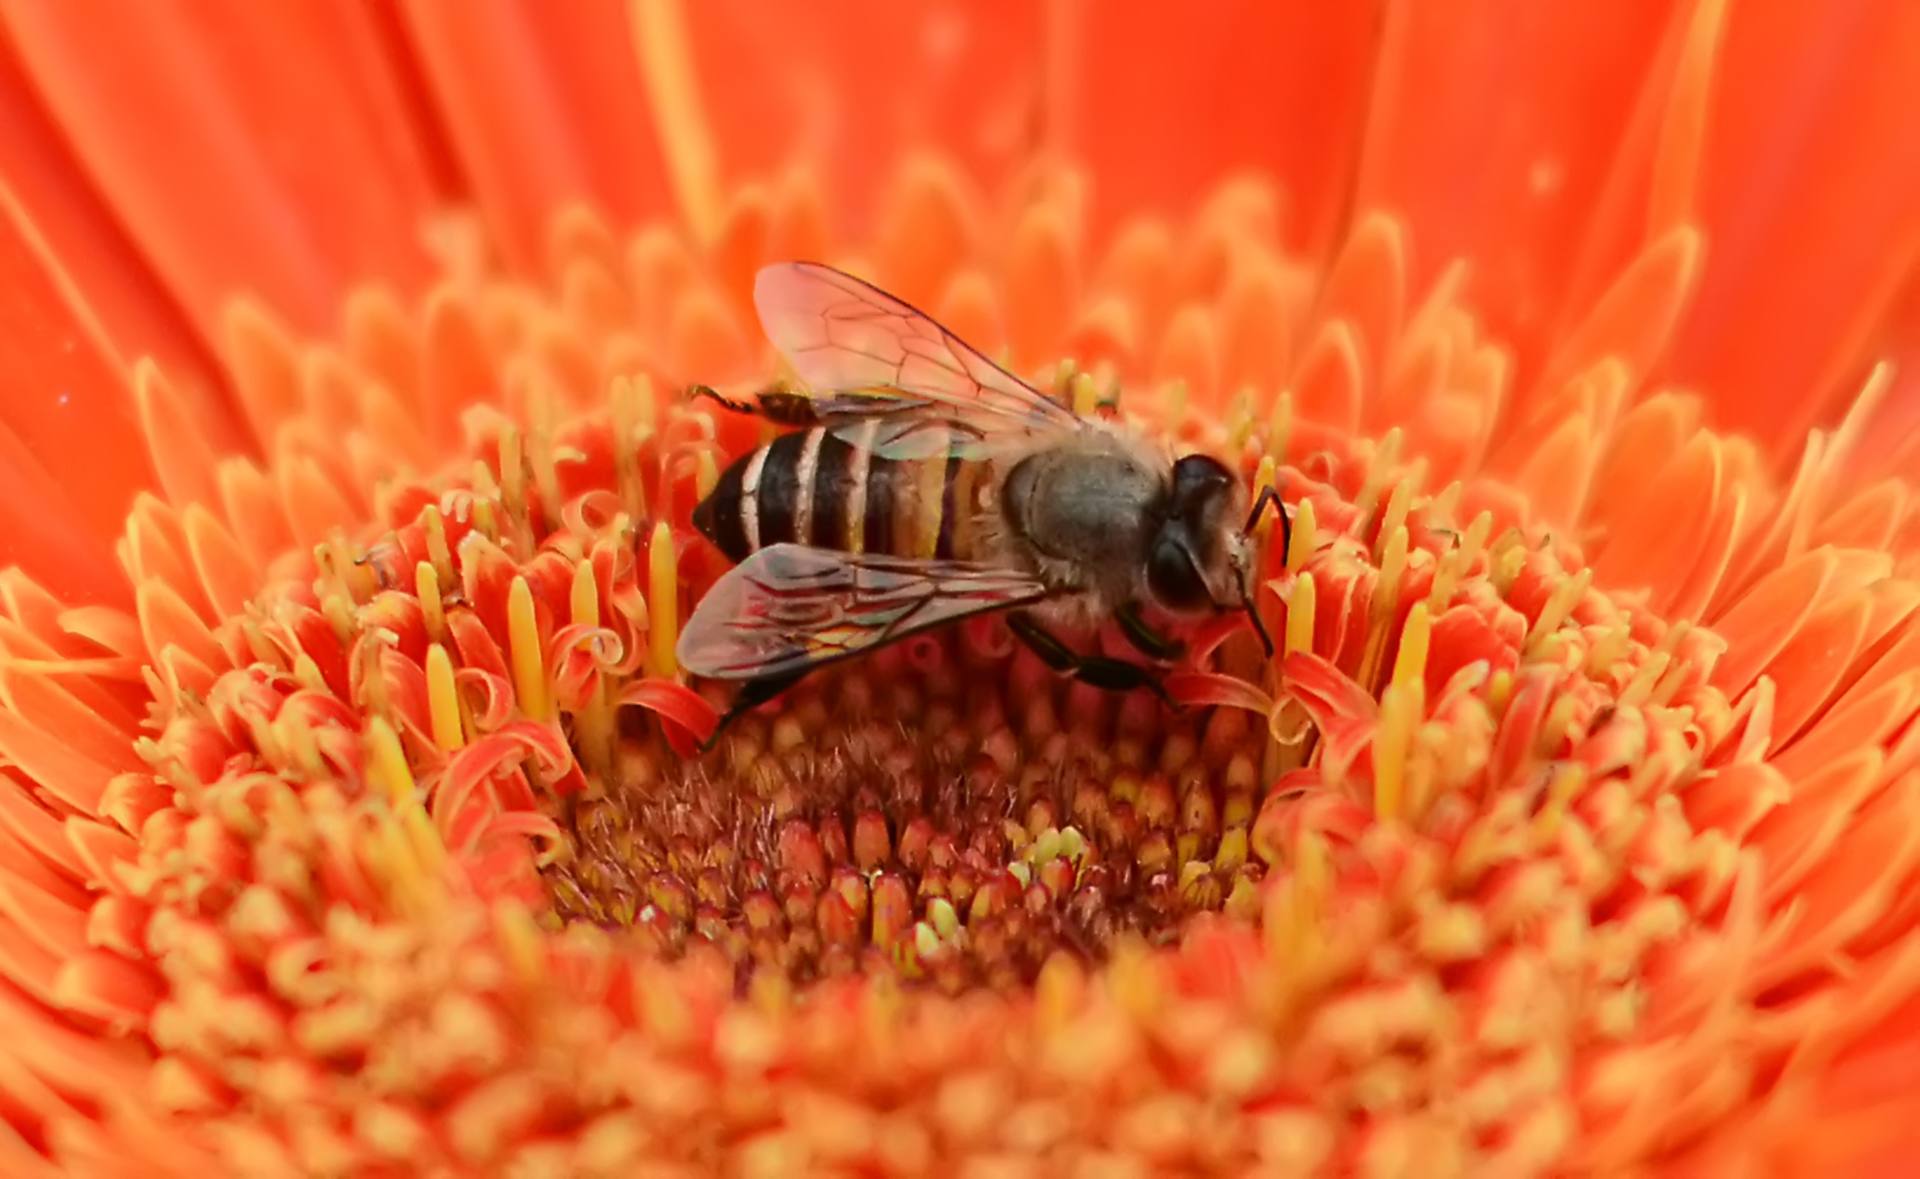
{"points": [[810, 487]]}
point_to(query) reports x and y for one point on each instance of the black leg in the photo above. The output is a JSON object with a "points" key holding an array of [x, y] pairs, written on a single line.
{"points": [[752, 695], [1145, 639], [1099, 671], [776, 404]]}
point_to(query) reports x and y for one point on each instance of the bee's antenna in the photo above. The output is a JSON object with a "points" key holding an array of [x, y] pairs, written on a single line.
{"points": [[1269, 496], [1259, 626]]}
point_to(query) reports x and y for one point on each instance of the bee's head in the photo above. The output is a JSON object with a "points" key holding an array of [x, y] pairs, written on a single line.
{"points": [[1200, 557]]}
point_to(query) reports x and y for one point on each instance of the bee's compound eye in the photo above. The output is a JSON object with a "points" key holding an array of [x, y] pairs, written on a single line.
{"points": [[1196, 478], [1173, 577]]}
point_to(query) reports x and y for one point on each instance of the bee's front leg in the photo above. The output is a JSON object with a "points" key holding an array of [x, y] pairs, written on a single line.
{"points": [[1099, 671]]}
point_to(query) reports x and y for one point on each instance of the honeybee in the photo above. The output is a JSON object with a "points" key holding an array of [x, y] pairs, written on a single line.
{"points": [[924, 484]]}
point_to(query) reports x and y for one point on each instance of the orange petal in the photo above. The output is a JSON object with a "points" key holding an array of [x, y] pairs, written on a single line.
{"points": [[1483, 176], [1809, 667], [1861, 719], [41, 701], [545, 105], [45, 534], [67, 399], [1329, 385], [24, 825], [1367, 287], [1810, 190], [55, 926], [1636, 316], [135, 313], [1655, 548], [1763, 620], [851, 88], [1558, 472], [1285, 87], [928, 228], [188, 120], [1853, 888]]}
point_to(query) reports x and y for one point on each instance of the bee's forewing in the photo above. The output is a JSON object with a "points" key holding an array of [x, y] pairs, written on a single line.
{"points": [[792, 607], [868, 355]]}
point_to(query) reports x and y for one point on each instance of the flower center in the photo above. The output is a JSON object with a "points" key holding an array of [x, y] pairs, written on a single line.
{"points": [[426, 808], [924, 817]]}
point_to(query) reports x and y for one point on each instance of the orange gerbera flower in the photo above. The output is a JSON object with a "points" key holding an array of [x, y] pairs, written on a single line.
{"points": [[352, 819]]}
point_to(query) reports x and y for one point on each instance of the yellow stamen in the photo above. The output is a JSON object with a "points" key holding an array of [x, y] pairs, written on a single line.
{"points": [[1300, 616], [427, 844], [387, 766], [485, 519], [1305, 536], [1442, 508], [1401, 706], [513, 471], [666, 60], [1676, 633], [594, 735], [523, 645], [1677, 673], [513, 488], [1241, 420], [583, 601], [297, 738], [663, 601], [540, 457], [1456, 561], [443, 700], [438, 551], [356, 579], [1378, 471], [1559, 606], [426, 587], [1280, 426], [1558, 719], [1608, 649], [1386, 597], [1410, 662], [1505, 560], [1062, 386], [1264, 476], [1499, 691], [337, 609], [1399, 500], [1639, 689], [374, 696], [1086, 395], [632, 414], [519, 938], [706, 473], [1294, 909], [307, 672], [1565, 786]]}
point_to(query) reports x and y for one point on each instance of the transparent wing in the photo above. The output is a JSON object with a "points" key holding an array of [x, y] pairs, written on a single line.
{"points": [[871, 358], [789, 608]]}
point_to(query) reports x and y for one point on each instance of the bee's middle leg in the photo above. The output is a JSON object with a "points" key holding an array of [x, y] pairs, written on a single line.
{"points": [[752, 694], [1145, 639], [1099, 671]]}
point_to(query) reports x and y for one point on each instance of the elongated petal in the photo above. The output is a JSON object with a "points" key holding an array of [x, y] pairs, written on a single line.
{"points": [[235, 163]]}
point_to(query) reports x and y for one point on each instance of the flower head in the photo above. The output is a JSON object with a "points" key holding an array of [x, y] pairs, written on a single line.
{"points": [[358, 819]]}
